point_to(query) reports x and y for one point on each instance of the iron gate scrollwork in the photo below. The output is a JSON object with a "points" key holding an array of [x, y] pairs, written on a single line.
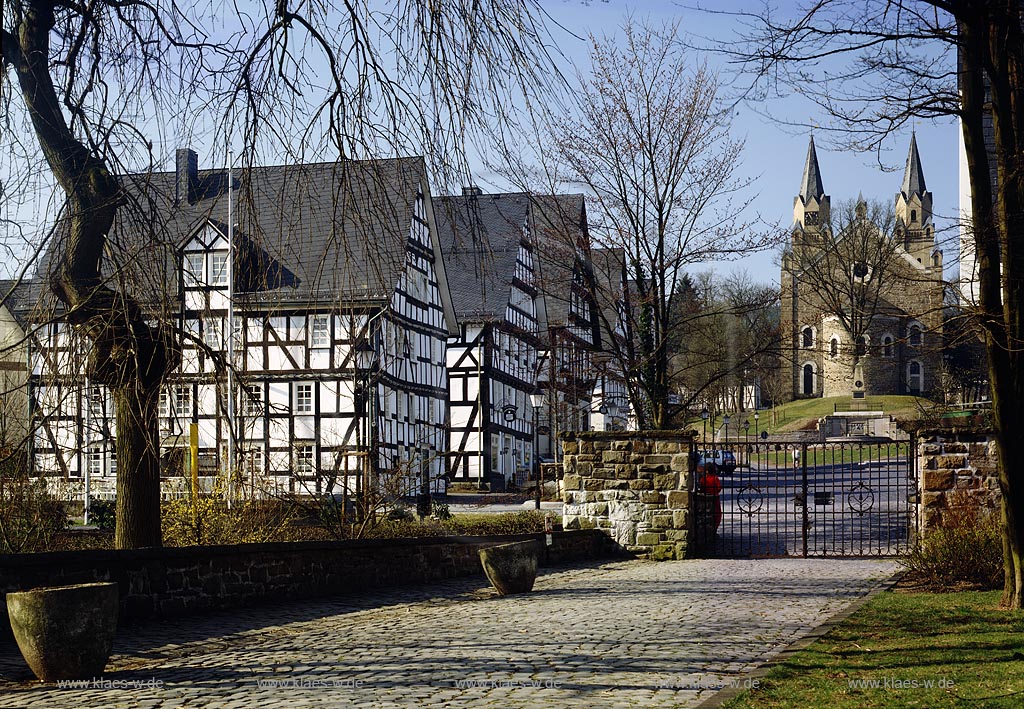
{"points": [[799, 498]]}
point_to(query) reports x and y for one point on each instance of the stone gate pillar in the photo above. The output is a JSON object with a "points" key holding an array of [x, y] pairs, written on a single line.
{"points": [[633, 485]]}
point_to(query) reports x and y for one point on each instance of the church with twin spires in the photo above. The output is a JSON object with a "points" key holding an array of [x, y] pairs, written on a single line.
{"points": [[862, 294]]}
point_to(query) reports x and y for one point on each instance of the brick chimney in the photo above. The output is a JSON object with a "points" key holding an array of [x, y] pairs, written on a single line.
{"points": [[186, 176]]}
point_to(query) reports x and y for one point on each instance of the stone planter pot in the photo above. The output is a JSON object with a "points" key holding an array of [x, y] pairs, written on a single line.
{"points": [[65, 632], [511, 568]]}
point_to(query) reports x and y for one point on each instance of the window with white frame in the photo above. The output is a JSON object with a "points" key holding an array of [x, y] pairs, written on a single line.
{"points": [[304, 398], [193, 268], [212, 334], [887, 348], [95, 460], [915, 377], [253, 400], [305, 454], [113, 460], [183, 401], [807, 337], [164, 407], [254, 460], [97, 400], [914, 335], [218, 268], [320, 331]]}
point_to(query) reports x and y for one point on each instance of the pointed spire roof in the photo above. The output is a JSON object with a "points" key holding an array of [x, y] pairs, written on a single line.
{"points": [[913, 175], [811, 185]]}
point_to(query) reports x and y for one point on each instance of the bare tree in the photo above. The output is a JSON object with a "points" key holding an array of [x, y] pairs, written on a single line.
{"points": [[727, 340], [649, 143], [87, 89], [847, 270], [891, 62]]}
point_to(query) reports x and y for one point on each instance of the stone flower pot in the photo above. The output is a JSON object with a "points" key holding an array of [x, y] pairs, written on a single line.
{"points": [[511, 568], [65, 632]]}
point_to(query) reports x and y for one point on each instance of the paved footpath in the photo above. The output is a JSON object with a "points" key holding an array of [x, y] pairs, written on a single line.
{"points": [[620, 634]]}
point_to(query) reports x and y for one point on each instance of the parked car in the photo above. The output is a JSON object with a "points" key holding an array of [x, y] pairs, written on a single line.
{"points": [[724, 460]]}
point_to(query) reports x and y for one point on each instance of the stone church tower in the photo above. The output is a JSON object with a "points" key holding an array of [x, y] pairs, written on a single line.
{"points": [[898, 340]]}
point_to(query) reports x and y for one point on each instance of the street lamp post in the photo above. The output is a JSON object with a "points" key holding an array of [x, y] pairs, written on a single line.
{"points": [[508, 415], [746, 438], [365, 360], [537, 401], [725, 423], [756, 417], [704, 413]]}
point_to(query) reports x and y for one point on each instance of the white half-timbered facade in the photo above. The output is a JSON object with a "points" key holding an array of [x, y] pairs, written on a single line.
{"points": [[569, 322], [314, 314], [492, 363]]}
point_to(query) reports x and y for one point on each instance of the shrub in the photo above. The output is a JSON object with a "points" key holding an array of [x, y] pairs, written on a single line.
{"points": [[525, 522], [207, 520], [965, 549], [440, 510], [103, 514], [30, 517]]}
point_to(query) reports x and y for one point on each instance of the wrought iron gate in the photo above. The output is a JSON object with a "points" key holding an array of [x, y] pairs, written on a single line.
{"points": [[803, 499]]}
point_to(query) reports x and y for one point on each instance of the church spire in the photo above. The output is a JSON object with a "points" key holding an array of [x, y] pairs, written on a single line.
{"points": [[811, 185], [913, 175]]}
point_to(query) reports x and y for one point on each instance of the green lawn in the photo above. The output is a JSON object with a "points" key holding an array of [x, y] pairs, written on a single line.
{"points": [[804, 413], [906, 650]]}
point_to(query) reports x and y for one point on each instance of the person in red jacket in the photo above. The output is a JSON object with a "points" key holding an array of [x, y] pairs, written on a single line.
{"points": [[710, 484]]}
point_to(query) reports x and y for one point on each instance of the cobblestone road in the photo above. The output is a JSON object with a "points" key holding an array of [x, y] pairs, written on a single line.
{"points": [[617, 635]]}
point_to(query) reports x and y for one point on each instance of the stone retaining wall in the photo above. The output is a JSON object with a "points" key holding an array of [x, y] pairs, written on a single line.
{"points": [[633, 486], [954, 463], [162, 582]]}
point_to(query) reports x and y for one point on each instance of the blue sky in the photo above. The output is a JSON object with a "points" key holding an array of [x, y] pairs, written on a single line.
{"points": [[775, 153]]}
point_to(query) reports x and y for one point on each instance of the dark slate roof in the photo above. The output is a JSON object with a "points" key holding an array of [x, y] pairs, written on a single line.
{"points": [[609, 264], [480, 237], [913, 175], [810, 185], [313, 233], [558, 227], [21, 297]]}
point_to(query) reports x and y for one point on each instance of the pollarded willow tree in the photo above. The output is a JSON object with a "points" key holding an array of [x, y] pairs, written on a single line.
{"points": [[894, 61], [648, 142], [88, 89]]}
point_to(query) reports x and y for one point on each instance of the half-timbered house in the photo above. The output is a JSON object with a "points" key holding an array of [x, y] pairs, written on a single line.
{"points": [[313, 311], [568, 319], [492, 363]]}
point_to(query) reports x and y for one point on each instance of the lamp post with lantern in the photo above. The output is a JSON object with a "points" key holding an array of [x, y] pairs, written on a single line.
{"points": [[725, 423], [704, 413], [537, 402], [508, 415], [746, 438]]}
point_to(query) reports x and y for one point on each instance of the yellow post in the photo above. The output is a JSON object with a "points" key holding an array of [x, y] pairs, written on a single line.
{"points": [[193, 449]]}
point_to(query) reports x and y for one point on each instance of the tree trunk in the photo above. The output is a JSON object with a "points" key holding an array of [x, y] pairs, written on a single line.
{"points": [[126, 354], [991, 42], [138, 470]]}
